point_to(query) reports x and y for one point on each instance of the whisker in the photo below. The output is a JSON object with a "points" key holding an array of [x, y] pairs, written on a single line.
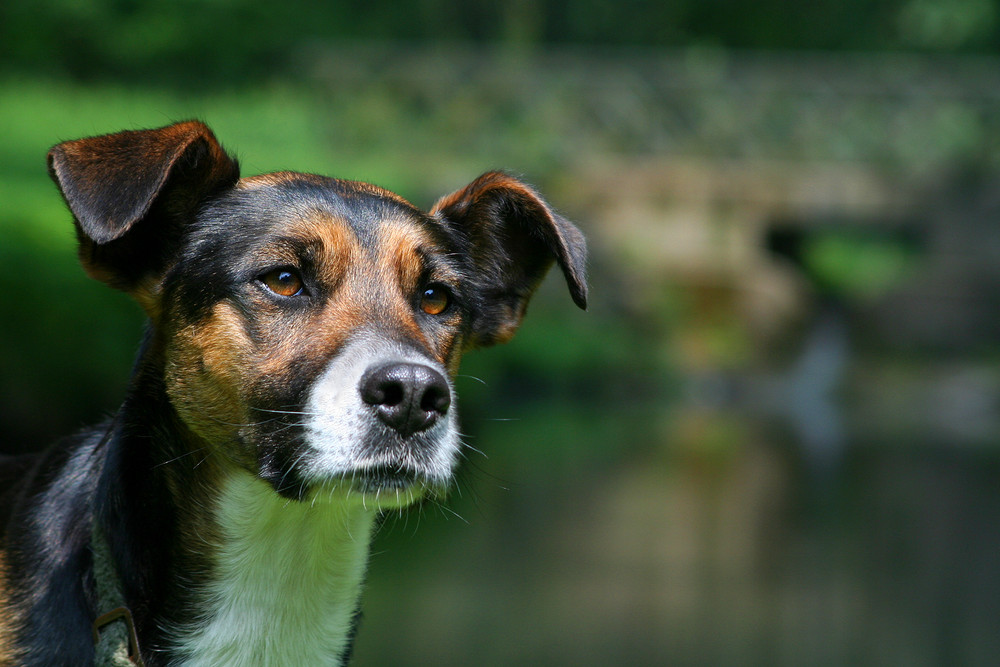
{"points": [[226, 423], [304, 413], [466, 445], [300, 451], [448, 510], [178, 458], [473, 377]]}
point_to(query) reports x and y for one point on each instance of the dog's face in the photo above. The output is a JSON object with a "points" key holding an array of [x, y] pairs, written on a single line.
{"points": [[309, 328], [314, 324]]}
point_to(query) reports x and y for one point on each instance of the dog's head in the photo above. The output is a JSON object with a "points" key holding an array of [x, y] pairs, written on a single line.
{"points": [[306, 328]]}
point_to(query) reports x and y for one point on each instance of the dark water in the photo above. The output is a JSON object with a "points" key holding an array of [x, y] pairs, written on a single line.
{"points": [[838, 512]]}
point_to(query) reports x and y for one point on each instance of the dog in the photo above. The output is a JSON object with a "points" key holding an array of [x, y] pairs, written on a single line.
{"points": [[294, 383]]}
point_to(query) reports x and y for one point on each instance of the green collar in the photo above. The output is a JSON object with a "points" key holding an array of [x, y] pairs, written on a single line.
{"points": [[115, 640]]}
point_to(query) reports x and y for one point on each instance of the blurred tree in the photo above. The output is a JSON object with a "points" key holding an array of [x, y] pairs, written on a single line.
{"points": [[949, 25], [234, 40]]}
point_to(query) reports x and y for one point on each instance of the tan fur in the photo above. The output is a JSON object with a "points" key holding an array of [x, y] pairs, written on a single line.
{"points": [[398, 244], [399, 261], [8, 620], [205, 364], [339, 259], [341, 250]]}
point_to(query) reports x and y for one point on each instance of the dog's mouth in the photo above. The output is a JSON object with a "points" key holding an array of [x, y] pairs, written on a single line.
{"points": [[381, 486], [385, 478]]}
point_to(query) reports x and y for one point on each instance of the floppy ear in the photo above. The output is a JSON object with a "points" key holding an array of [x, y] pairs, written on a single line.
{"points": [[130, 193], [512, 237]]}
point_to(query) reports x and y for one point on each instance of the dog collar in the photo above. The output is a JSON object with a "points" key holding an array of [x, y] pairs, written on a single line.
{"points": [[115, 641]]}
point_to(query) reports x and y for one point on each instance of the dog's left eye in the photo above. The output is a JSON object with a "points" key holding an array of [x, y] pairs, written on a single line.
{"points": [[283, 282]]}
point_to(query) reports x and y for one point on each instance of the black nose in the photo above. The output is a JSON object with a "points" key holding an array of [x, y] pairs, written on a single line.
{"points": [[407, 397]]}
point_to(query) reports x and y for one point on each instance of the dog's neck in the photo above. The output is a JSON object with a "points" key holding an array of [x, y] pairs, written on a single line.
{"points": [[222, 569], [285, 584]]}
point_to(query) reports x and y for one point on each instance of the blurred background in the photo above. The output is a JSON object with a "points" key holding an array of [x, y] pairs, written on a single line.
{"points": [[772, 440]]}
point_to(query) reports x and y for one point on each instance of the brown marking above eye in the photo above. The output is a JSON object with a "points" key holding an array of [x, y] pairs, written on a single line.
{"points": [[435, 299], [283, 282]]}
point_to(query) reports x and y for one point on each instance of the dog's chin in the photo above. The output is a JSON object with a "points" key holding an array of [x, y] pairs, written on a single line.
{"points": [[379, 487], [378, 470]]}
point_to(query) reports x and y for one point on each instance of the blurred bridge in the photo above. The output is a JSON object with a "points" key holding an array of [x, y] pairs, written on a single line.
{"points": [[685, 165], [906, 113]]}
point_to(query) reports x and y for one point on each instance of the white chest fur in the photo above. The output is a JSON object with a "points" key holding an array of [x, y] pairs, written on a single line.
{"points": [[287, 581]]}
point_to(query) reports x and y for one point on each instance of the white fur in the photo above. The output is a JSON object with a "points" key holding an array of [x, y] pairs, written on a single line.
{"points": [[287, 583]]}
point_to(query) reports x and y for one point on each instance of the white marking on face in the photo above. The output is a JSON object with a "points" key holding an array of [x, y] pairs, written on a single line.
{"points": [[286, 583], [344, 438]]}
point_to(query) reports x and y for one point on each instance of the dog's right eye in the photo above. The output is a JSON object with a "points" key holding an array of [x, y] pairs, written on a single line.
{"points": [[283, 282], [435, 299]]}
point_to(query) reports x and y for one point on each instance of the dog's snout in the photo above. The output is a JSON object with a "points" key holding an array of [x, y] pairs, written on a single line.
{"points": [[407, 397]]}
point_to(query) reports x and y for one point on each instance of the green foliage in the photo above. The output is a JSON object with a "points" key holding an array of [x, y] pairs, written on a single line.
{"points": [[858, 265], [945, 26]]}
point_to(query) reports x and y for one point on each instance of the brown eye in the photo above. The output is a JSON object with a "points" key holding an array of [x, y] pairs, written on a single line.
{"points": [[434, 300], [283, 282]]}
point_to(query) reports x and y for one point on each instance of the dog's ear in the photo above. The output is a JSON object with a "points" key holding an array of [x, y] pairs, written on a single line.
{"points": [[512, 237], [131, 192]]}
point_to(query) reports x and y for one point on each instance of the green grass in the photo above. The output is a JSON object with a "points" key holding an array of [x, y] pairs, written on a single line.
{"points": [[272, 130], [269, 128]]}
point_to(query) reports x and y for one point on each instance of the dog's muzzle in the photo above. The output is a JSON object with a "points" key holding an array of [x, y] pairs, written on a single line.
{"points": [[380, 417]]}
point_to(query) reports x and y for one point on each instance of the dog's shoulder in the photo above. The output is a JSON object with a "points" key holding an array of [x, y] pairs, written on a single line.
{"points": [[26, 479], [45, 508]]}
